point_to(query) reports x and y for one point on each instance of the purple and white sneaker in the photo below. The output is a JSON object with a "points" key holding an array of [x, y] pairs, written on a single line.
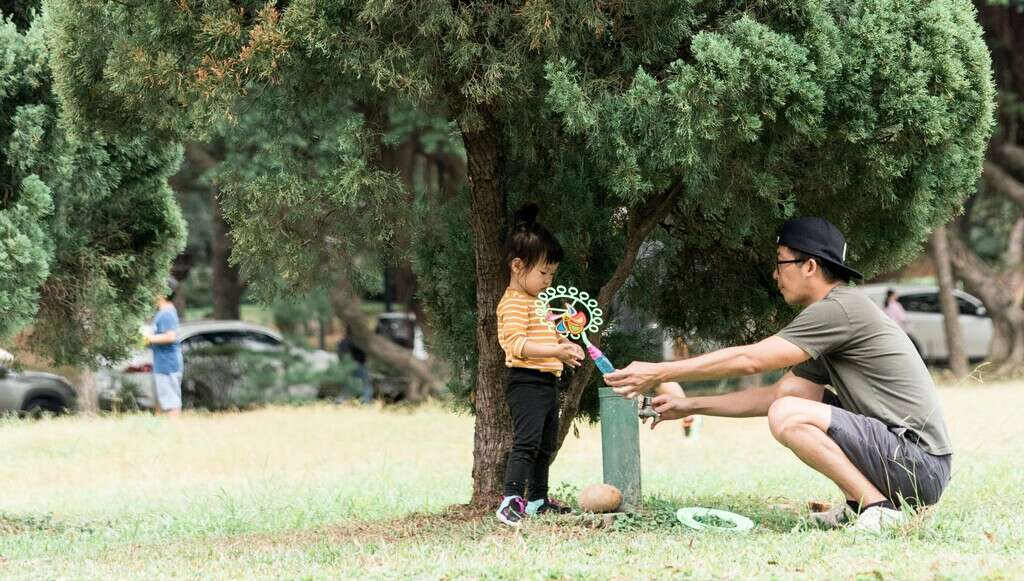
{"points": [[512, 510]]}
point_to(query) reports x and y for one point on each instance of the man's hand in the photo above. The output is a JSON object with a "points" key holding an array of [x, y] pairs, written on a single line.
{"points": [[570, 353], [635, 378], [670, 407]]}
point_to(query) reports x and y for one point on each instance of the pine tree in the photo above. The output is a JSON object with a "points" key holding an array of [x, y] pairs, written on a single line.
{"points": [[88, 225], [667, 141]]}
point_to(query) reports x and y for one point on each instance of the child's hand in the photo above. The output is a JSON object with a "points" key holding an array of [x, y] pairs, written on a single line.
{"points": [[570, 353]]}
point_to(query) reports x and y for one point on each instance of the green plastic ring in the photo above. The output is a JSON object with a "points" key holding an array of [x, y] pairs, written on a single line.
{"points": [[688, 516]]}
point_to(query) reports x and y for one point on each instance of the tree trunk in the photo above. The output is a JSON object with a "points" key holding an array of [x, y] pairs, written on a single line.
{"points": [[180, 269], [321, 332], [950, 311], [1007, 348], [226, 283], [492, 437], [85, 389]]}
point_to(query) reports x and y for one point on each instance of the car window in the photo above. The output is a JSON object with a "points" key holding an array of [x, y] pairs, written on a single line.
{"points": [[194, 342], [252, 340], [929, 303], [401, 331], [966, 306], [923, 303], [257, 341]]}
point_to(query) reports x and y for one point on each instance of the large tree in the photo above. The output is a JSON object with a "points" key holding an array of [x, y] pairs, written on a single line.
{"points": [[667, 141], [88, 225], [987, 243]]}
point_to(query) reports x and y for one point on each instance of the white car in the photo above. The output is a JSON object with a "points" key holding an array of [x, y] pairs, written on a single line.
{"points": [[138, 368], [924, 322]]}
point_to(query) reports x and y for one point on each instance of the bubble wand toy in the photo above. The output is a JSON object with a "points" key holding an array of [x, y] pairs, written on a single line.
{"points": [[579, 315]]}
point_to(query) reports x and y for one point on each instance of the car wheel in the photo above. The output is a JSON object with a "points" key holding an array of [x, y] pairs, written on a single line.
{"points": [[44, 407]]}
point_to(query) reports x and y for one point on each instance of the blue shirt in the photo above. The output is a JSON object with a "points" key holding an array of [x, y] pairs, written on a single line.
{"points": [[166, 358]]}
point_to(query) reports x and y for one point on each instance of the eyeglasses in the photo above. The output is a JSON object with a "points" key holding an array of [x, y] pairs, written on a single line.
{"points": [[779, 263]]}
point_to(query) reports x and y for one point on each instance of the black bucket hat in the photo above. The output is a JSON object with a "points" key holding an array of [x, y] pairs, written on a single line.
{"points": [[822, 240]]}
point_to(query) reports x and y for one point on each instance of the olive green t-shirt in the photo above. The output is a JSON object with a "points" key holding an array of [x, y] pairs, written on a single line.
{"points": [[871, 364]]}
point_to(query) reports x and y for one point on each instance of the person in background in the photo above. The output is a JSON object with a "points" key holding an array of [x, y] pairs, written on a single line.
{"points": [[346, 348], [167, 361], [894, 309]]}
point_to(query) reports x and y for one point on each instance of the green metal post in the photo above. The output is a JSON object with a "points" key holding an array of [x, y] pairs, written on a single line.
{"points": [[620, 446]]}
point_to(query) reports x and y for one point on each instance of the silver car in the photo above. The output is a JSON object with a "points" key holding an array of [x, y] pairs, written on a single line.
{"points": [[924, 322], [33, 393], [137, 371]]}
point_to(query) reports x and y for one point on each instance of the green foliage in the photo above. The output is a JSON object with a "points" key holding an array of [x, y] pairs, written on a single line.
{"points": [[88, 225], [872, 114], [305, 174], [291, 312], [873, 117], [20, 12]]}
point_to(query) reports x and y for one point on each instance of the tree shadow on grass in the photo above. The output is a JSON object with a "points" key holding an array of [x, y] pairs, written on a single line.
{"points": [[770, 514]]}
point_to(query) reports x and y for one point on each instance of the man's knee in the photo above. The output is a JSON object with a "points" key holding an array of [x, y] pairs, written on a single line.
{"points": [[788, 415], [779, 414], [812, 393]]}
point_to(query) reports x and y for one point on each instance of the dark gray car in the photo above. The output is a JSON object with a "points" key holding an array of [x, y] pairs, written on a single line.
{"points": [[34, 393]]}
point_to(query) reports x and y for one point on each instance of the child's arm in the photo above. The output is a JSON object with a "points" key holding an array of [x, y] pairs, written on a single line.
{"points": [[513, 322], [567, 352]]}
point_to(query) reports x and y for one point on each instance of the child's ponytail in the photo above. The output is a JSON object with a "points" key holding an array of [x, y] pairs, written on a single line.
{"points": [[530, 241]]}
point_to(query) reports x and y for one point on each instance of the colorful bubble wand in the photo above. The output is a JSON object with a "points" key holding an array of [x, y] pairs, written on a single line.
{"points": [[578, 315]]}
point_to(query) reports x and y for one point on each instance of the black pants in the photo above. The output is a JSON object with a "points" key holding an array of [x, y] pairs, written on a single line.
{"points": [[533, 402]]}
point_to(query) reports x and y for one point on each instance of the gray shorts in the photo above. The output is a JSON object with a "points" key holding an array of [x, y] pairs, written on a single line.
{"points": [[897, 466], [168, 390]]}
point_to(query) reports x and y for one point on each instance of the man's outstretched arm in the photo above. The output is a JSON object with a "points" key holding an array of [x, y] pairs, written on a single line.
{"points": [[771, 353], [741, 404]]}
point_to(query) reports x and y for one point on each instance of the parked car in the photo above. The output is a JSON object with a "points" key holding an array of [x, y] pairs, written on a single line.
{"points": [[402, 329], [925, 324], [133, 377], [33, 393]]}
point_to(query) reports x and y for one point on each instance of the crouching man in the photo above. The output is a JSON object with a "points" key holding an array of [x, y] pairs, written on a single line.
{"points": [[879, 433]]}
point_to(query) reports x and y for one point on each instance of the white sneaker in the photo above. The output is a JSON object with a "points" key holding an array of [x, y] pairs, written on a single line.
{"points": [[875, 519], [838, 516]]}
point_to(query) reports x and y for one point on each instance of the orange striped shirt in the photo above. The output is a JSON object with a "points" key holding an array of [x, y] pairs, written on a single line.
{"points": [[518, 322]]}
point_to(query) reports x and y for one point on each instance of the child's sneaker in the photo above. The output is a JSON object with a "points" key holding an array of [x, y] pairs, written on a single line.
{"points": [[511, 510], [547, 505]]}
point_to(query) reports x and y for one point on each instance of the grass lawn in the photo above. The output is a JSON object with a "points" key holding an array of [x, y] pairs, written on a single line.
{"points": [[345, 492]]}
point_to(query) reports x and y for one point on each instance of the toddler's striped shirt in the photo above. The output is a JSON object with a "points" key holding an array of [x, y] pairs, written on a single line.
{"points": [[518, 321]]}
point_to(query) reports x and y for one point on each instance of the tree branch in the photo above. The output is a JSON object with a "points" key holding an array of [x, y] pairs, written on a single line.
{"points": [[639, 226], [1000, 180], [1015, 245], [1012, 155], [979, 277], [348, 307]]}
